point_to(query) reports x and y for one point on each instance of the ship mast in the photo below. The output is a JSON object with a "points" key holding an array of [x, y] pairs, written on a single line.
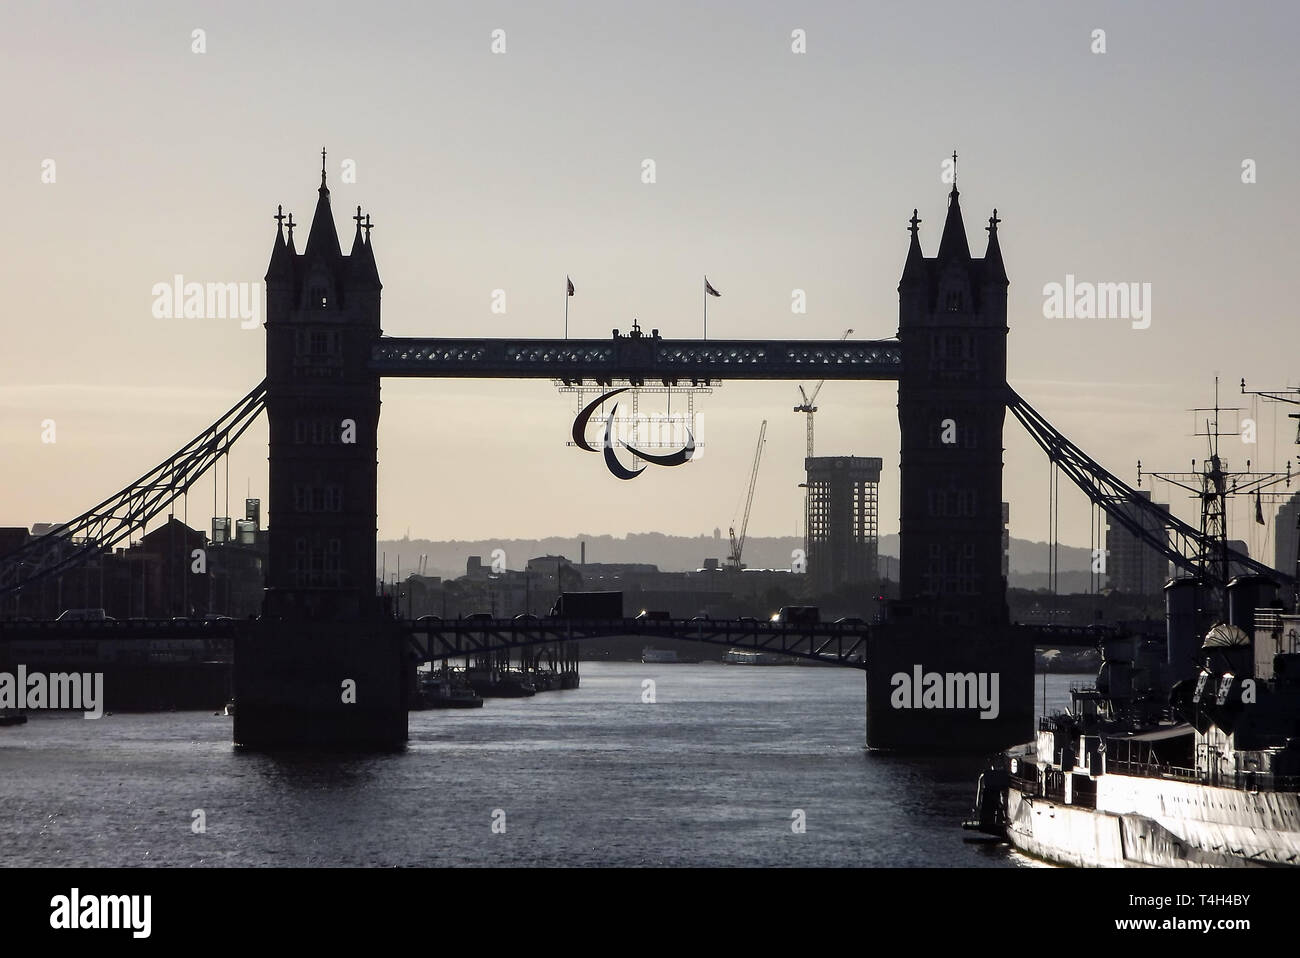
{"points": [[1213, 483]]}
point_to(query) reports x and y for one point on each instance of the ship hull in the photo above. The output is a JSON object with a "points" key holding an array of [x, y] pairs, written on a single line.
{"points": [[1156, 823]]}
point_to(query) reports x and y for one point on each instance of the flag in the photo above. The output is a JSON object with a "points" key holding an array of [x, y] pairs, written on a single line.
{"points": [[1259, 509], [570, 282], [709, 289]]}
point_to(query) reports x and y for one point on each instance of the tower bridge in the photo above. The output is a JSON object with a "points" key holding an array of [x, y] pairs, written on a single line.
{"points": [[323, 624]]}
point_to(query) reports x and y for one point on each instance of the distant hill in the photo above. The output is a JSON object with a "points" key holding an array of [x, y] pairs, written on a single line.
{"points": [[683, 553]]}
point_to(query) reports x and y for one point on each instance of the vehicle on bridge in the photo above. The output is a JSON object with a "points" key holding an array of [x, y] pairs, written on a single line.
{"points": [[588, 605], [798, 615], [84, 615]]}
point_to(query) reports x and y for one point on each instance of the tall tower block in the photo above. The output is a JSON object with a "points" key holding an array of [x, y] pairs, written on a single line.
{"points": [[952, 324]]}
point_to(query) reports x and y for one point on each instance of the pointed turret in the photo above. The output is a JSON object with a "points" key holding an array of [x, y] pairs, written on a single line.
{"points": [[357, 241], [323, 239], [364, 271], [281, 267], [994, 271], [914, 270], [953, 245]]}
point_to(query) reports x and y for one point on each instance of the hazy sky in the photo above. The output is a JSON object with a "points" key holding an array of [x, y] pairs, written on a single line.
{"points": [[775, 171]]}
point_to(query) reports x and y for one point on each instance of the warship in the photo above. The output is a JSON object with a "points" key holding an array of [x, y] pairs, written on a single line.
{"points": [[1200, 772]]}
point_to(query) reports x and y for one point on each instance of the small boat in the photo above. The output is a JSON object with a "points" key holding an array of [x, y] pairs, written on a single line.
{"points": [[653, 656], [501, 683], [12, 717], [756, 657], [439, 691]]}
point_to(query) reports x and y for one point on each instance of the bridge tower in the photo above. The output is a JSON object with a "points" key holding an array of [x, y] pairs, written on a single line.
{"points": [[323, 667], [952, 325], [322, 316], [951, 619]]}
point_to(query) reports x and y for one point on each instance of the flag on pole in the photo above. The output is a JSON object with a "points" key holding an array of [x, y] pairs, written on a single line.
{"points": [[570, 282], [1259, 509], [708, 288]]}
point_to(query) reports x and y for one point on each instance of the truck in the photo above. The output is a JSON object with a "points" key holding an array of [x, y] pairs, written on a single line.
{"points": [[798, 615], [588, 605]]}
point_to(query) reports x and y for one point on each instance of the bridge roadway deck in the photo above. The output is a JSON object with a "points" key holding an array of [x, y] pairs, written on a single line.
{"points": [[839, 643], [834, 643]]}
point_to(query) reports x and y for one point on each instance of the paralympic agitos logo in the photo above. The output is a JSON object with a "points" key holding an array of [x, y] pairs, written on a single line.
{"points": [[678, 458]]}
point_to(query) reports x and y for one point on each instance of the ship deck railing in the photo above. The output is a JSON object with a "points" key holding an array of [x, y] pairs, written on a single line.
{"points": [[1054, 792], [1243, 781]]}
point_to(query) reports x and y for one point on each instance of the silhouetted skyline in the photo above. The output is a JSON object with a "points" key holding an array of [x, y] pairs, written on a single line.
{"points": [[775, 171]]}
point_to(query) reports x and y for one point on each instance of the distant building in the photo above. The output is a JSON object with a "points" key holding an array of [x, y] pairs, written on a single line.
{"points": [[237, 566], [1132, 566], [425, 595], [1285, 535], [843, 540], [183, 591], [13, 538]]}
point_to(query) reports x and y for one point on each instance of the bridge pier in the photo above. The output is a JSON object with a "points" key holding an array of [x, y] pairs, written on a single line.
{"points": [[321, 685], [935, 690]]}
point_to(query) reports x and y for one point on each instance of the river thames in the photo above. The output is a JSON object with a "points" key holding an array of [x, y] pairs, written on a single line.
{"points": [[715, 771]]}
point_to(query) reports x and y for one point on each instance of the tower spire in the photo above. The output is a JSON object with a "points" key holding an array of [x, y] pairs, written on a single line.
{"points": [[281, 259], [364, 271], [914, 269], [323, 238], [356, 240], [953, 242], [994, 270]]}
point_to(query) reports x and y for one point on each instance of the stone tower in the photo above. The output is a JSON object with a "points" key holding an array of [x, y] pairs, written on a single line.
{"points": [[952, 324], [322, 316]]}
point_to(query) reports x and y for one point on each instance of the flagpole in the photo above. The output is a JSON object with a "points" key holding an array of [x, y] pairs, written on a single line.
{"points": [[706, 307], [566, 307]]}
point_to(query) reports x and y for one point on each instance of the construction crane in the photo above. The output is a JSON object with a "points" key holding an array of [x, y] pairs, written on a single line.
{"points": [[738, 544], [809, 404], [808, 407]]}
